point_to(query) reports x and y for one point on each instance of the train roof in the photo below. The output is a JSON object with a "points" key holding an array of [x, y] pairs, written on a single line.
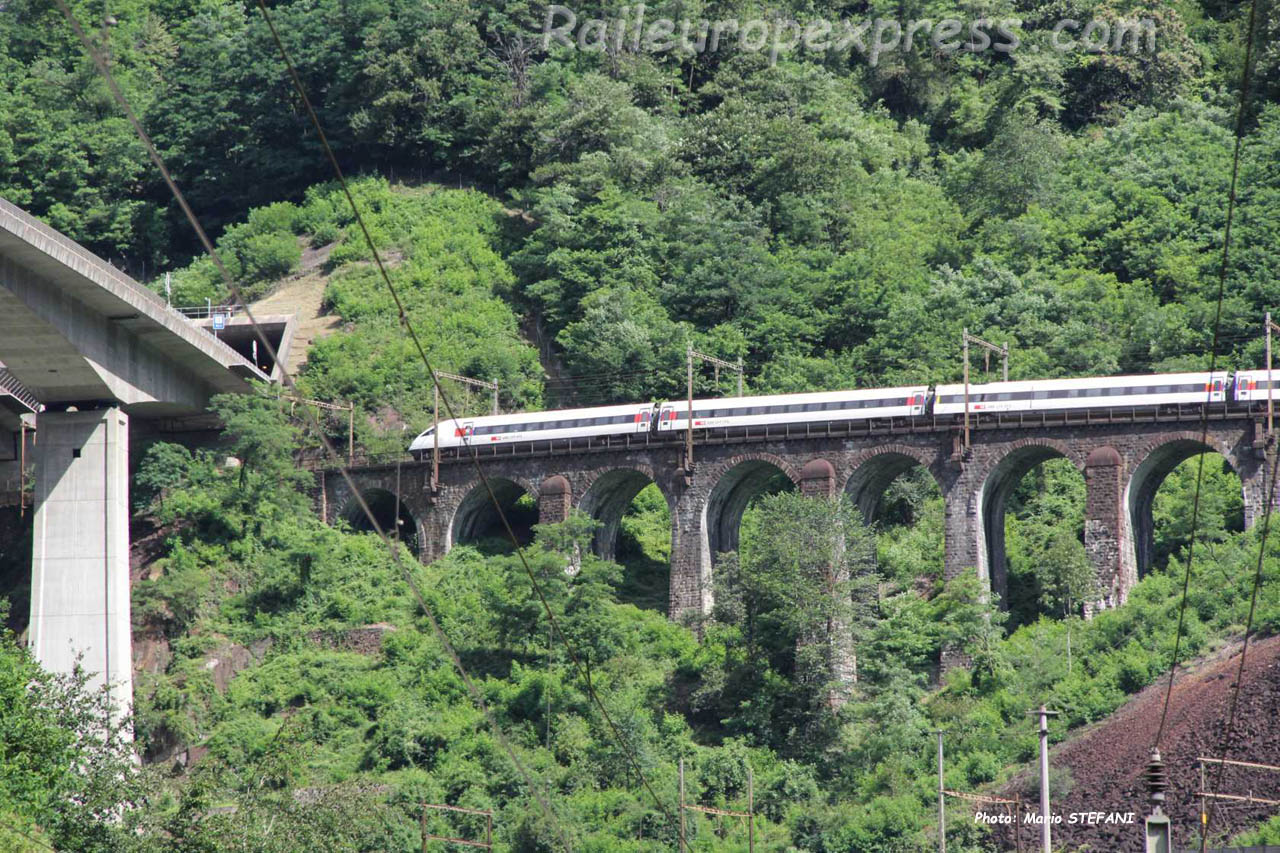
{"points": [[807, 397], [553, 414], [1085, 382]]}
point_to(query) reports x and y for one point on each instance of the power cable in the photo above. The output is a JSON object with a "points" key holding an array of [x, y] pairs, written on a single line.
{"points": [[394, 551], [1244, 649], [1213, 355], [1246, 78], [408, 327], [13, 826]]}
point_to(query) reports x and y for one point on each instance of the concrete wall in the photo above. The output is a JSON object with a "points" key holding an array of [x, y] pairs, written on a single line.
{"points": [[80, 547]]}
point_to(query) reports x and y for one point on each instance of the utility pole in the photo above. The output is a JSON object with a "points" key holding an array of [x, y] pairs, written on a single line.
{"points": [[1002, 351], [1270, 324], [682, 846], [1158, 830], [1044, 714], [349, 408], [964, 345], [402, 429], [688, 467], [435, 438], [437, 375], [690, 355], [942, 797]]}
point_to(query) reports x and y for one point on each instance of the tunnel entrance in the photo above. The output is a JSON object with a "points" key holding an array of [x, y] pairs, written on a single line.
{"points": [[392, 516]]}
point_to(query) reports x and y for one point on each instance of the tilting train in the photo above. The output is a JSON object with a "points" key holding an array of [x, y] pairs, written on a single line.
{"points": [[1150, 391]]}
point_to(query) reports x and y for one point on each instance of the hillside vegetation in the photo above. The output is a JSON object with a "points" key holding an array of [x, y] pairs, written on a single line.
{"points": [[566, 223]]}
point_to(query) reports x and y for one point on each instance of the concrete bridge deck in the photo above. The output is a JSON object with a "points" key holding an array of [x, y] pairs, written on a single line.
{"points": [[99, 352]]}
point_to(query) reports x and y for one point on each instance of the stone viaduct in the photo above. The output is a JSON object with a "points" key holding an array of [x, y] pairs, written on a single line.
{"points": [[1123, 457]]}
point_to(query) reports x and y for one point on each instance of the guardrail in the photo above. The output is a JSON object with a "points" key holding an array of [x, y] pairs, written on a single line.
{"points": [[204, 312], [871, 428]]}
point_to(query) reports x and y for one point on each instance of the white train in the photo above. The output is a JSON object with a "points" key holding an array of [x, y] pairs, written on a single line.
{"points": [[1252, 385], [1159, 389], [537, 426], [672, 416], [821, 407]]}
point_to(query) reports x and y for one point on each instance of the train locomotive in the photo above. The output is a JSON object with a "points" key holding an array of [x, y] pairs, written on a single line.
{"points": [[1159, 391]]}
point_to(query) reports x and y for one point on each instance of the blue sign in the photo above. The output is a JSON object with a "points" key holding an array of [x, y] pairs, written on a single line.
{"points": [[219, 321]]}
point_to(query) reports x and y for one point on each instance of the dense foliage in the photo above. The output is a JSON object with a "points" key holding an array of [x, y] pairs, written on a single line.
{"points": [[832, 222], [311, 741]]}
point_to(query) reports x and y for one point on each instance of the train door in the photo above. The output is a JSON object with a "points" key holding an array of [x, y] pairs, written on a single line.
{"points": [[664, 419], [643, 419], [464, 432]]}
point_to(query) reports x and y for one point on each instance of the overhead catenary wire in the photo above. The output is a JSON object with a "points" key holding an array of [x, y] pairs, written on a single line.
{"points": [[407, 326], [287, 379]]}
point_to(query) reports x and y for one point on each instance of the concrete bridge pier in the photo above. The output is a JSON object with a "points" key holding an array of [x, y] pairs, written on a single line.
{"points": [[80, 548]]}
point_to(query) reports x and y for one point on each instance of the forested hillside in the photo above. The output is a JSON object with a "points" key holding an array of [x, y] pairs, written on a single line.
{"points": [[831, 222], [567, 222]]}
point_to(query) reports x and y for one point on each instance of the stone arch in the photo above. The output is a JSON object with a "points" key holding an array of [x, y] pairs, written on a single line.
{"points": [[393, 515], [475, 515], [740, 479], [607, 498], [873, 471], [998, 483], [1155, 459]]}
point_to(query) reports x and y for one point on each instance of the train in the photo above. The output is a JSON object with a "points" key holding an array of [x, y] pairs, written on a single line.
{"points": [[1159, 391]]}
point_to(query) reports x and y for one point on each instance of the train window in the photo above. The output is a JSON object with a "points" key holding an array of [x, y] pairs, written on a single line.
{"points": [[1040, 395]]}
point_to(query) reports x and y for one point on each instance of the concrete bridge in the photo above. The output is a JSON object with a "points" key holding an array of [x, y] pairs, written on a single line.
{"points": [[97, 359], [1123, 456]]}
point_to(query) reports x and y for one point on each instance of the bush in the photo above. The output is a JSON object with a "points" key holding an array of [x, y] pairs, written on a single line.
{"points": [[263, 257]]}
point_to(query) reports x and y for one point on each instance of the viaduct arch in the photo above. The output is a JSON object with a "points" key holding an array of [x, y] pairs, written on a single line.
{"points": [[1122, 464]]}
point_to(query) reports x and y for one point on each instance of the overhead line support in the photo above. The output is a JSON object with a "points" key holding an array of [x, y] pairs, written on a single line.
{"points": [[437, 375], [1002, 351], [690, 355]]}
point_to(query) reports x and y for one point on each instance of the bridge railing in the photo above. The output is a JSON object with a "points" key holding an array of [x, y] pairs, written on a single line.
{"points": [[10, 385], [871, 428], [204, 312]]}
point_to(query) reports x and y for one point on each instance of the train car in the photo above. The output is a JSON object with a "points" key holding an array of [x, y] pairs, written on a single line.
{"points": [[794, 408], [1159, 389], [537, 426], [1251, 386]]}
